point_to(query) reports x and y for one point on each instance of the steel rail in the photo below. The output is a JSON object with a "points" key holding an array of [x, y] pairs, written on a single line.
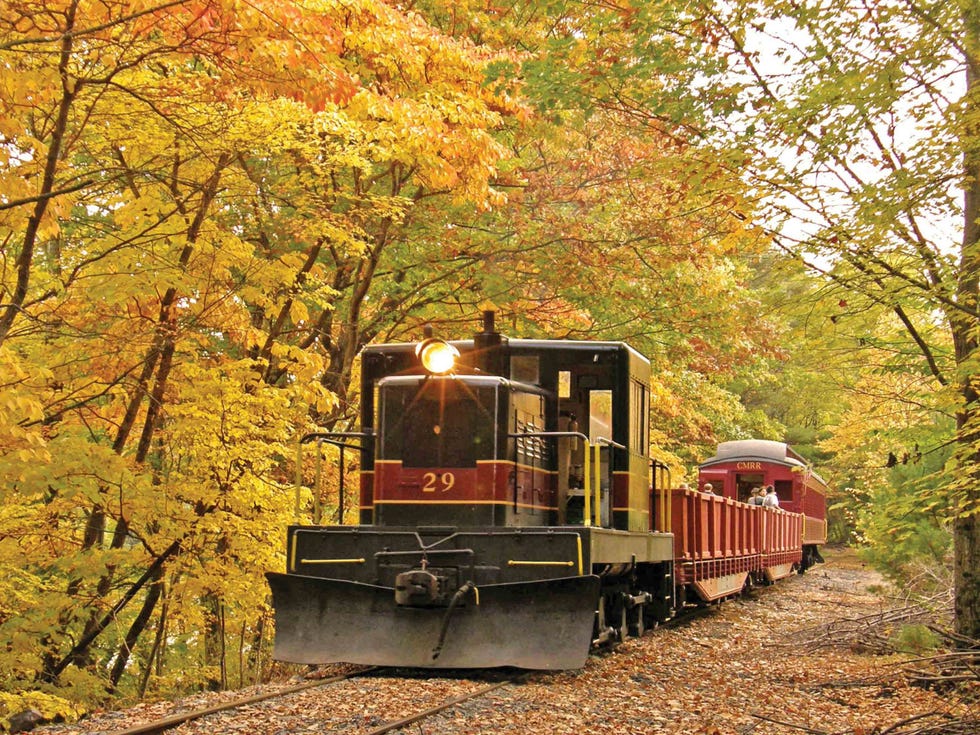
{"points": [[398, 724], [167, 723]]}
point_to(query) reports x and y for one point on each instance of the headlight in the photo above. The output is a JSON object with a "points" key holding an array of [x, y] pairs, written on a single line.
{"points": [[437, 356]]}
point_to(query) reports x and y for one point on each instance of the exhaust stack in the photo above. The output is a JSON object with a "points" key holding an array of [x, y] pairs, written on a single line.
{"points": [[488, 344]]}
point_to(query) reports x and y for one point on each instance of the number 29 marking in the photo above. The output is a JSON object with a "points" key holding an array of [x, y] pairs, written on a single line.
{"points": [[433, 482]]}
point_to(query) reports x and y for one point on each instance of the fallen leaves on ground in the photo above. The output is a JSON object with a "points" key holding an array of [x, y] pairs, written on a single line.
{"points": [[747, 667]]}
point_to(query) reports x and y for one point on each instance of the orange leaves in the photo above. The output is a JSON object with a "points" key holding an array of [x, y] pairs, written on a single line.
{"points": [[290, 48], [272, 48]]}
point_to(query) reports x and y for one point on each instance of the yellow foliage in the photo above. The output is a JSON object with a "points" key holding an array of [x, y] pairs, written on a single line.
{"points": [[22, 441], [51, 707], [214, 180]]}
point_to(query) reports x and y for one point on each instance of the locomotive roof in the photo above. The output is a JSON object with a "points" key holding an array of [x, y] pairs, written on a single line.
{"points": [[573, 344], [521, 344], [762, 450]]}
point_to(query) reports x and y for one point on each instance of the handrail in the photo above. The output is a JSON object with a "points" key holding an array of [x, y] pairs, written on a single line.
{"points": [[328, 437], [532, 434], [591, 469], [663, 495], [586, 469], [597, 468], [609, 442], [587, 485]]}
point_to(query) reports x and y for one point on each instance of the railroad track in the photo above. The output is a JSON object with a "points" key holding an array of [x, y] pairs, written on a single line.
{"points": [[166, 723], [170, 722], [398, 724]]}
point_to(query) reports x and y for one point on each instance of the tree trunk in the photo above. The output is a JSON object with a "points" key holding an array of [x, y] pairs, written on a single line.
{"points": [[255, 652], [966, 525], [25, 258], [214, 642], [966, 577], [159, 360], [136, 630], [80, 649], [154, 662], [214, 630]]}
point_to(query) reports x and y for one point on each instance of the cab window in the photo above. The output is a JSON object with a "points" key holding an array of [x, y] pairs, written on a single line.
{"points": [[437, 423]]}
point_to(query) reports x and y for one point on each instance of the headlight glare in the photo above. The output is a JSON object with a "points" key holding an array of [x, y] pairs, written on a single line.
{"points": [[436, 356]]}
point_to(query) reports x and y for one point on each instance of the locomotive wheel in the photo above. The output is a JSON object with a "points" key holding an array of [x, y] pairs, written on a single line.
{"points": [[611, 619], [623, 629], [652, 618], [637, 620], [600, 618]]}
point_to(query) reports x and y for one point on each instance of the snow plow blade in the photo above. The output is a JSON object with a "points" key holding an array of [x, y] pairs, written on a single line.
{"points": [[544, 624]]}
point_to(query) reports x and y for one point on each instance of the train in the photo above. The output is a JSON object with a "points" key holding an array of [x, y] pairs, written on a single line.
{"points": [[510, 513]]}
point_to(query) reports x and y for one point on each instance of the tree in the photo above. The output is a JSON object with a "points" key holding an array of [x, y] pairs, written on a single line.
{"points": [[615, 226], [154, 338], [858, 127]]}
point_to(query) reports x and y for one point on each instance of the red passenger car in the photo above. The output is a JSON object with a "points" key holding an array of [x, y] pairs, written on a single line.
{"points": [[739, 466]]}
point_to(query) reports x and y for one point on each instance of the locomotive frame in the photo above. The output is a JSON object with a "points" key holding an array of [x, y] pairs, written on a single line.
{"points": [[509, 515]]}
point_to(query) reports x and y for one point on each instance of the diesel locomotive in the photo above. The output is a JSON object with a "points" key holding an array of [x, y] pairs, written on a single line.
{"points": [[510, 515]]}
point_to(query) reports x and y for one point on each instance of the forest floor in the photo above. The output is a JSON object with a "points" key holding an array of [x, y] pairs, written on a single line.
{"points": [[812, 654]]}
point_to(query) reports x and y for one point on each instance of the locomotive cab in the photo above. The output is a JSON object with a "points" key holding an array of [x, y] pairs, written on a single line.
{"points": [[448, 453]]}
